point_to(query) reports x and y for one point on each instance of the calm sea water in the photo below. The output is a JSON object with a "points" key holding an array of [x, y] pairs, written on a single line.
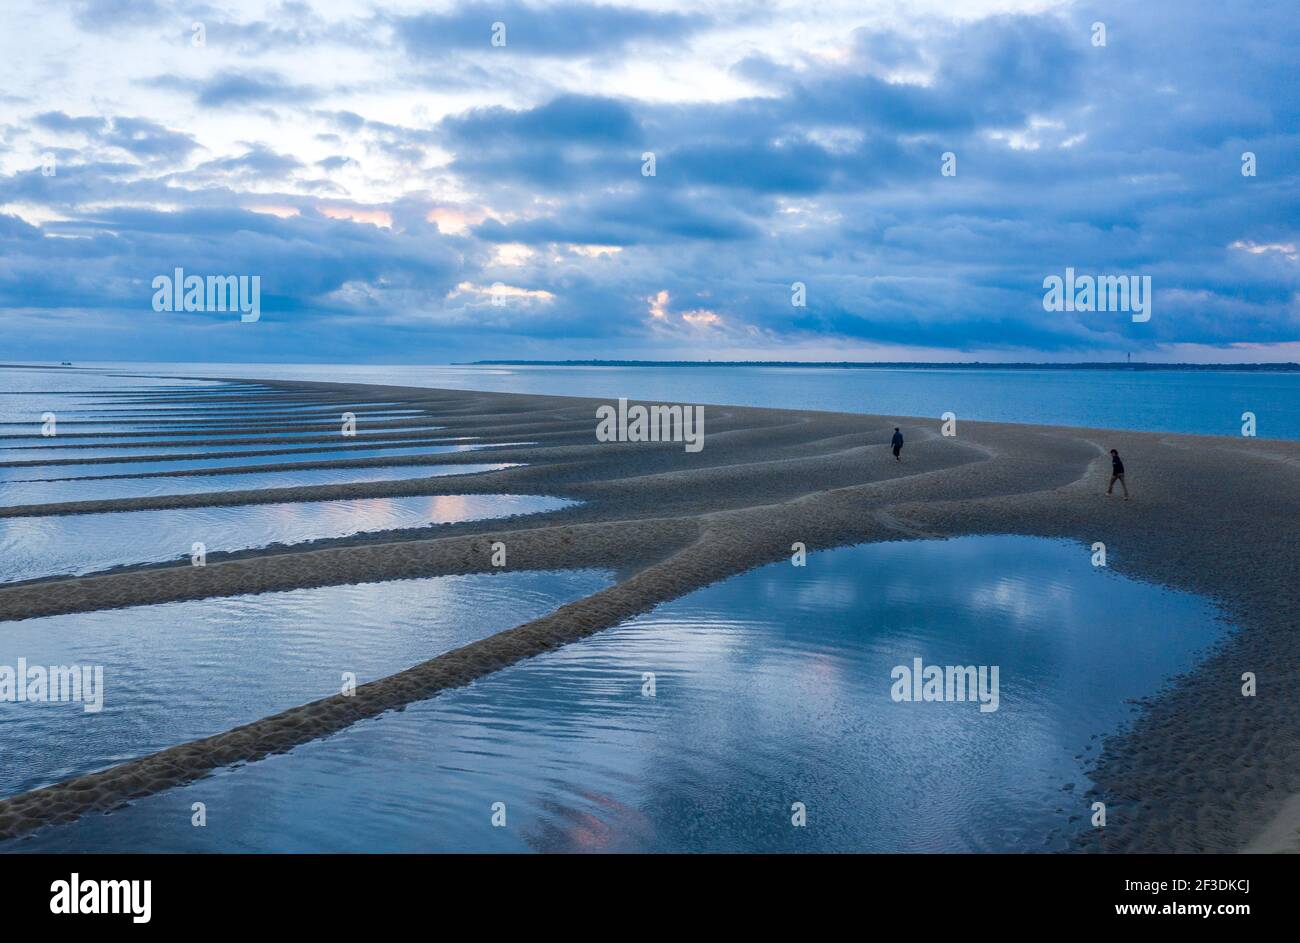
{"points": [[57, 545], [153, 465], [18, 493], [23, 452], [1206, 403], [771, 688], [183, 670], [15, 445], [1167, 401]]}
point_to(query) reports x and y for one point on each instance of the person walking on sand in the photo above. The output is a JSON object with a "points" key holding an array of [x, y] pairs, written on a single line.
{"points": [[1117, 473], [897, 443]]}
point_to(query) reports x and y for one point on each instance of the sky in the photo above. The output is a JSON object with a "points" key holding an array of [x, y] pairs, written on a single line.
{"points": [[429, 182]]}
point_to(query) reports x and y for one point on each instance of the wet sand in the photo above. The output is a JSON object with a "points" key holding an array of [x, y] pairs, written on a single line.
{"points": [[1201, 769]]}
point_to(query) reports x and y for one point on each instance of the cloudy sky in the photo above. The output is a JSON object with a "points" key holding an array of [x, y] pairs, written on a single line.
{"points": [[383, 166]]}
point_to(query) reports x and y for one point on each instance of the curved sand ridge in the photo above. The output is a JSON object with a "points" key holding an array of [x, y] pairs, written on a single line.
{"points": [[1202, 769]]}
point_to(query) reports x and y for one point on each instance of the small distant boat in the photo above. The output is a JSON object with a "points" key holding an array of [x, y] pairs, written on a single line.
{"points": [[66, 363]]}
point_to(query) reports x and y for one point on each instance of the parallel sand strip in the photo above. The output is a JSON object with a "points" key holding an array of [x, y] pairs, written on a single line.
{"points": [[402, 460], [323, 428], [490, 482], [537, 548], [706, 560], [1215, 516], [283, 731], [558, 463], [251, 409], [169, 440], [344, 448]]}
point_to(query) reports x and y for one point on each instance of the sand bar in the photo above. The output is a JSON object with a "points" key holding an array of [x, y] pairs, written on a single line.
{"points": [[1202, 769]]}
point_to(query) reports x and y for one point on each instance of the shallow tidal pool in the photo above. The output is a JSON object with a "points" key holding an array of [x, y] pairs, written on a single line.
{"points": [[719, 720], [76, 544]]}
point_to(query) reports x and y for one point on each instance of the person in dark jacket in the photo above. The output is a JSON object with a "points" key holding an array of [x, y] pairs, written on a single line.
{"points": [[1117, 473], [897, 443]]}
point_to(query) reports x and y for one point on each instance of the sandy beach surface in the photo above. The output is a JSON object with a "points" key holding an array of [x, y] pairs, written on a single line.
{"points": [[1203, 768]]}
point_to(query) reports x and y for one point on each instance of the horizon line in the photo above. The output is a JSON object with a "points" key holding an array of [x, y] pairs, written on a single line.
{"points": [[1283, 366]]}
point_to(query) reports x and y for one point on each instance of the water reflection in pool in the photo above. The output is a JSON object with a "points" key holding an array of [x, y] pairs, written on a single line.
{"points": [[17, 493], [182, 670], [37, 547], [769, 689]]}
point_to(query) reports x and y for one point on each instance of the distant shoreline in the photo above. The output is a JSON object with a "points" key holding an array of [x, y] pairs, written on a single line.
{"points": [[885, 365], [1289, 367]]}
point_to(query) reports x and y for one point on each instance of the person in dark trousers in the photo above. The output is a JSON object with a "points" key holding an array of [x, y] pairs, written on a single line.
{"points": [[897, 443], [1117, 473]]}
